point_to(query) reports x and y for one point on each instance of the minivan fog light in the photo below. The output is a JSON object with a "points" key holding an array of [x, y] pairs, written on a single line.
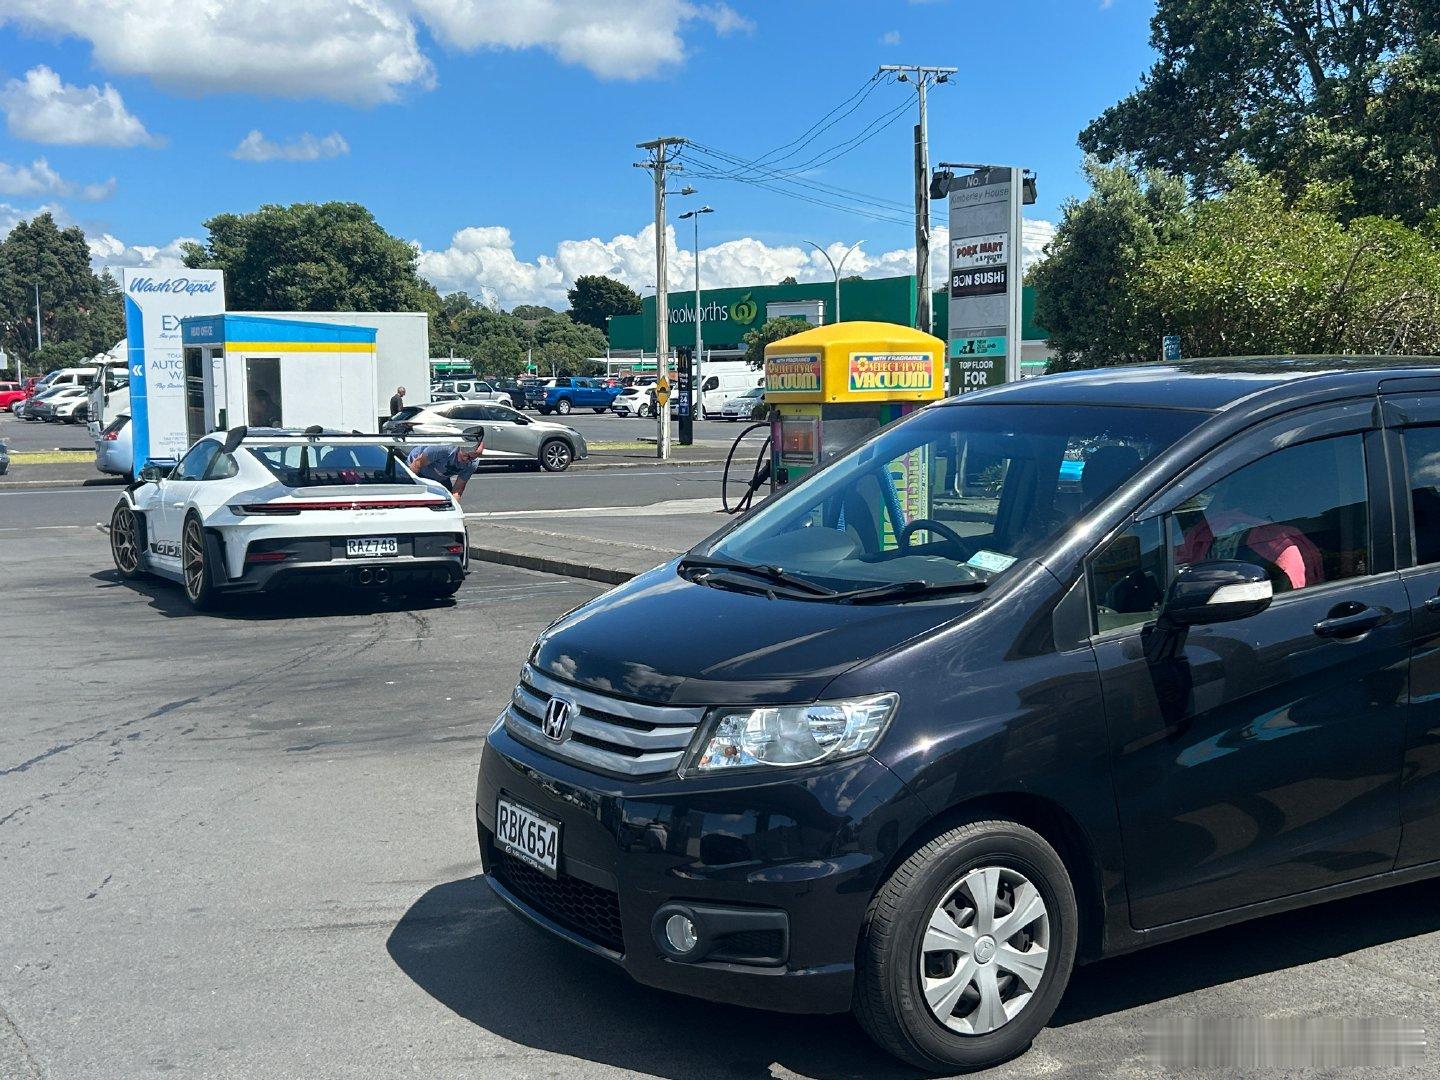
{"points": [[790, 735]]}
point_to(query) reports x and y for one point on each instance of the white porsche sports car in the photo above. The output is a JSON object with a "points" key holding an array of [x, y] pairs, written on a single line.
{"points": [[257, 510]]}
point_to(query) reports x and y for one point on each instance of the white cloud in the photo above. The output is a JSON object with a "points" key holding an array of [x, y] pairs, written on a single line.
{"points": [[362, 51], [38, 178], [616, 39], [42, 108], [890, 37], [1036, 235], [482, 262], [109, 251], [307, 147]]}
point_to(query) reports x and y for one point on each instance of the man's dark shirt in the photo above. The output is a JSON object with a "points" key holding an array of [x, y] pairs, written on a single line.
{"points": [[396, 403]]}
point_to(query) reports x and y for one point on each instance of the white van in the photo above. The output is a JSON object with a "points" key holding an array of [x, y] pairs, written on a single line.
{"points": [[722, 380]]}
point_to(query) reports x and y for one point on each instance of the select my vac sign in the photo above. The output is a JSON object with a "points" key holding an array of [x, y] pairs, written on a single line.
{"points": [[881, 373]]}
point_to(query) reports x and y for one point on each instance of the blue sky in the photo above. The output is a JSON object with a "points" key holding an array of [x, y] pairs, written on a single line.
{"points": [[473, 117]]}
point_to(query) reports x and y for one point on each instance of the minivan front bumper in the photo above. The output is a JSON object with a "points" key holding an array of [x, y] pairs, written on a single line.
{"points": [[782, 865]]}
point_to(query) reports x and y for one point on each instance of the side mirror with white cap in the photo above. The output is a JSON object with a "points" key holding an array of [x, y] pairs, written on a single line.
{"points": [[1205, 593]]}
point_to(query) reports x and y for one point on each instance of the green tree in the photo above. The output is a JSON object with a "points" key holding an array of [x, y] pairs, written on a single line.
{"points": [[1304, 89], [594, 296], [311, 257], [767, 333], [1086, 293], [532, 312], [1259, 273], [566, 345], [80, 311], [789, 279]]}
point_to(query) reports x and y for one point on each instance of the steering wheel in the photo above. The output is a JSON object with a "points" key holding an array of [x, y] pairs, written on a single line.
{"points": [[933, 526]]}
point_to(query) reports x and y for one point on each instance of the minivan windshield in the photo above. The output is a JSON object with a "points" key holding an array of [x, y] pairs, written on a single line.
{"points": [[942, 503]]}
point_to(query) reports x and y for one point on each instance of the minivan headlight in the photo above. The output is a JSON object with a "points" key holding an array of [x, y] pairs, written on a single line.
{"points": [[789, 735]]}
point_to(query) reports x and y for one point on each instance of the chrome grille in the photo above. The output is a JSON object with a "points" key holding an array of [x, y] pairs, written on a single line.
{"points": [[604, 733]]}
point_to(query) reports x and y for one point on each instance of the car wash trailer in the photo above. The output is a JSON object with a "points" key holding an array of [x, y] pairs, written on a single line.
{"points": [[402, 350], [264, 371]]}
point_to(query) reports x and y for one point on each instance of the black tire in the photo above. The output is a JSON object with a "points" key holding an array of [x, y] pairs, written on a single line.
{"points": [[563, 406], [890, 1002], [443, 592], [555, 455], [195, 566], [128, 542], [642, 411], [542, 410]]}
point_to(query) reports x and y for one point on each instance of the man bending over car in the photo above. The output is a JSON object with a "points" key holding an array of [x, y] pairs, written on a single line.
{"points": [[451, 466]]}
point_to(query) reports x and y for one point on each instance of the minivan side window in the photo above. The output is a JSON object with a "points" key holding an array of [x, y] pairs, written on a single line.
{"points": [[1301, 514], [1127, 578], [1422, 463]]}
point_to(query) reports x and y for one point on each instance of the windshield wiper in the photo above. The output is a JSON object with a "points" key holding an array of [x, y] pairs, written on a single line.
{"points": [[906, 590], [769, 573]]}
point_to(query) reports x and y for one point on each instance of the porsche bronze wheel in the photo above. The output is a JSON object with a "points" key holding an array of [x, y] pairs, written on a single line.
{"points": [[195, 563], [127, 542]]}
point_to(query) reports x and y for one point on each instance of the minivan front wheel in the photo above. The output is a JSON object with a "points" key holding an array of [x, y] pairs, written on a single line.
{"points": [[967, 948]]}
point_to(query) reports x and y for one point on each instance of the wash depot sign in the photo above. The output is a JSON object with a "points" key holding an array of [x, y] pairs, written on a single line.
{"points": [[883, 372], [792, 374], [155, 302]]}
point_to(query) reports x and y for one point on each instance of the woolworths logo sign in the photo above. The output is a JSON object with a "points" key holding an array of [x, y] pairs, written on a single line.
{"points": [[743, 311]]}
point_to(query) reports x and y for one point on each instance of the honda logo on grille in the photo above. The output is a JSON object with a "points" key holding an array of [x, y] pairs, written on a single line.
{"points": [[557, 719]]}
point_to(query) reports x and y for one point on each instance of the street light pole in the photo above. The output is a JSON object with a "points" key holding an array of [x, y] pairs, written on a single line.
{"points": [[697, 363], [835, 268]]}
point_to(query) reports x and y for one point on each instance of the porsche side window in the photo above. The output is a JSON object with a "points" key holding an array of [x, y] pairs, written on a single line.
{"points": [[193, 465]]}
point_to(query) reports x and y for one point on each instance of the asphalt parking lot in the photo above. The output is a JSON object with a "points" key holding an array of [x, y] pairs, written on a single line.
{"points": [[243, 846]]}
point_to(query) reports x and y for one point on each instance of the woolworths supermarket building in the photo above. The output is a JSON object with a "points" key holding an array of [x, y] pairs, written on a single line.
{"points": [[729, 313]]}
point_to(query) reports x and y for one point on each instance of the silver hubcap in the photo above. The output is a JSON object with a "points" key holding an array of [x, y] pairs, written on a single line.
{"points": [[985, 950], [556, 455], [194, 559], [123, 540]]}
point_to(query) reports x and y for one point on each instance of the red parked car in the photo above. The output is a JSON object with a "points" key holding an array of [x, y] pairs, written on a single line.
{"points": [[11, 392]]}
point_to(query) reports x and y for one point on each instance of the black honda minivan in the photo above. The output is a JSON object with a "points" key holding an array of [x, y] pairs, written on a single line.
{"points": [[1039, 675]]}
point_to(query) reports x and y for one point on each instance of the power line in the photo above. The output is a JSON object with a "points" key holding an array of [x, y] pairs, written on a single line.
{"points": [[799, 181], [813, 131]]}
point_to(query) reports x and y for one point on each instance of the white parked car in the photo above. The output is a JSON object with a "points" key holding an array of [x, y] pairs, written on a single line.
{"points": [[255, 511], [635, 401], [743, 406]]}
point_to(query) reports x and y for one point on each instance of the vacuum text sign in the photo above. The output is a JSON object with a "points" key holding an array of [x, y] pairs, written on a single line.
{"points": [[883, 372], [155, 302], [792, 375]]}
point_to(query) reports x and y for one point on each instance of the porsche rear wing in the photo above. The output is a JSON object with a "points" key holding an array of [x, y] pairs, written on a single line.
{"points": [[238, 436]]}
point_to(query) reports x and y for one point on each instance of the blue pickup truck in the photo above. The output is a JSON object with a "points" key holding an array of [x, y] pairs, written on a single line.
{"points": [[568, 393]]}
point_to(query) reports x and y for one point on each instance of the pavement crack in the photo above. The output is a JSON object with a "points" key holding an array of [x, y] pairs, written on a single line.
{"points": [[96, 892], [10, 1033]]}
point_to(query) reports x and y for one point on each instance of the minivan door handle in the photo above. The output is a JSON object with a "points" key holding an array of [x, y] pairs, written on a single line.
{"points": [[1433, 604], [1356, 620]]}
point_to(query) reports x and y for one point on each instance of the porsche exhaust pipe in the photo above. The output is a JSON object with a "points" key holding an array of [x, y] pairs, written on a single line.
{"points": [[382, 576], [364, 577]]}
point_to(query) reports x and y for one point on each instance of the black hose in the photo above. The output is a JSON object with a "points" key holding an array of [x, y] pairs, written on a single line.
{"points": [[758, 477]]}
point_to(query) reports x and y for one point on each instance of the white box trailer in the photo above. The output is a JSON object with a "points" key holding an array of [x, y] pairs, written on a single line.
{"points": [[276, 372], [402, 348]]}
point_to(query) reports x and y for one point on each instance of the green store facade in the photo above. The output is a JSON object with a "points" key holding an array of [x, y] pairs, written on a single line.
{"points": [[730, 313]]}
